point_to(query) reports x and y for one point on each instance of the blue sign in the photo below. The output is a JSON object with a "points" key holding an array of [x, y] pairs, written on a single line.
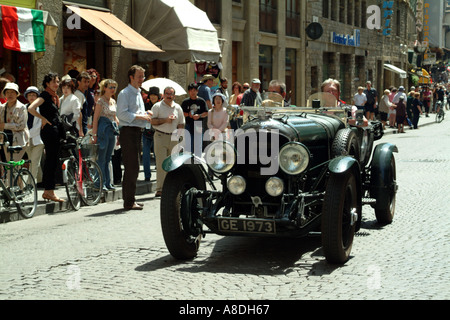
{"points": [[347, 39]]}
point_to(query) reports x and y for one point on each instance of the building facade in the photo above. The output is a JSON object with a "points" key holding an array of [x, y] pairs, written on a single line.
{"points": [[299, 42]]}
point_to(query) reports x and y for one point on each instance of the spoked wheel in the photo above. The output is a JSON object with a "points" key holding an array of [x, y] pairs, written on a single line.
{"points": [[92, 183], [439, 116], [71, 185], [25, 192], [181, 229], [339, 216]]}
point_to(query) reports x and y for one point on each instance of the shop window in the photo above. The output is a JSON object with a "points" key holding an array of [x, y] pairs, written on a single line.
{"points": [[212, 9], [293, 18], [326, 9], [350, 12], [268, 16], [291, 84], [265, 66]]}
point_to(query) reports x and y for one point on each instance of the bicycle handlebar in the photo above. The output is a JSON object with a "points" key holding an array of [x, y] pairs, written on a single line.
{"points": [[5, 139]]}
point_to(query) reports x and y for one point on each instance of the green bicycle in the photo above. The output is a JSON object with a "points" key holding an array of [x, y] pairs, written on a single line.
{"points": [[21, 188]]}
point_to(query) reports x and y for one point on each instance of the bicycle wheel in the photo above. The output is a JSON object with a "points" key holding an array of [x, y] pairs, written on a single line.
{"points": [[439, 116], [92, 183], [71, 185], [25, 193]]}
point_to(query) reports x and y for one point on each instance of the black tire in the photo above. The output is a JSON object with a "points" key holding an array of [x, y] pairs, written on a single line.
{"points": [[385, 212], [182, 244], [338, 220], [25, 193], [92, 183], [345, 143], [73, 195], [439, 116]]}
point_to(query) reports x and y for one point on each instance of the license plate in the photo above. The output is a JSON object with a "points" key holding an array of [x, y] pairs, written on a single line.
{"points": [[247, 225]]}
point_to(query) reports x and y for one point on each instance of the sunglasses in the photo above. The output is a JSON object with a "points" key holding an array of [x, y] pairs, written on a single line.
{"points": [[114, 88], [246, 87]]}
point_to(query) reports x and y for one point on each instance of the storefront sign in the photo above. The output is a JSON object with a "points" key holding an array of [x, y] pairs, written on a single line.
{"points": [[347, 39], [375, 18]]}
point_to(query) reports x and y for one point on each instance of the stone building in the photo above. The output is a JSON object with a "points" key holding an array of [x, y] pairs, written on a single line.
{"points": [[267, 39]]}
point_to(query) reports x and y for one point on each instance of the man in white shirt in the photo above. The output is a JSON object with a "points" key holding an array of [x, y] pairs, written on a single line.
{"points": [[132, 119], [168, 116]]}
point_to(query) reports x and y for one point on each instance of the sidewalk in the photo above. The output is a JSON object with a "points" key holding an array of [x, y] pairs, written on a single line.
{"points": [[423, 121], [142, 187]]}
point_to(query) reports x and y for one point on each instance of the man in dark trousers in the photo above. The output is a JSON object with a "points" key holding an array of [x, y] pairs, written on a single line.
{"points": [[372, 98], [132, 119]]}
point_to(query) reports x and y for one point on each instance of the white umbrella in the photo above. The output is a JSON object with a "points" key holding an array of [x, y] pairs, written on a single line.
{"points": [[163, 83]]}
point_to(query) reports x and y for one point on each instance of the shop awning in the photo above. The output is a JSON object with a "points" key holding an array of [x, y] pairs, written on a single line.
{"points": [[181, 29], [390, 67], [425, 78], [115, 28]]}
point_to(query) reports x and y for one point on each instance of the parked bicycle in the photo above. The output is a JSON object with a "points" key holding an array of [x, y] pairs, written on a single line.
{"points": [[82, 176], [440, 114], [20, 190]]}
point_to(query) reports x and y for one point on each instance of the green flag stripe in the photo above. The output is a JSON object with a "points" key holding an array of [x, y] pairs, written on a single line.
{"points": [[38, 30]]}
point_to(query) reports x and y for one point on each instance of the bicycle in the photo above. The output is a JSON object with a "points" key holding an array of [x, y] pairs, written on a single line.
{"points": [[82, 176], [440, 114], [22, 187]]}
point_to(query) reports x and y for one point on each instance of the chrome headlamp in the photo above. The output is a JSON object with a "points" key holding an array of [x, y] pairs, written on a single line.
{"points": [[274, 186], [236, 185], [220, 156], [294, 158]]}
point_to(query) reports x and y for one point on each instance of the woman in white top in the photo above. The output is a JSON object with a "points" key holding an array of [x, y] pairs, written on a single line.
{"points": [[70, 104]]}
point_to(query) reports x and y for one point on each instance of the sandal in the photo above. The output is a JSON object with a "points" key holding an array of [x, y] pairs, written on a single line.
{"points": [[52, 198]]}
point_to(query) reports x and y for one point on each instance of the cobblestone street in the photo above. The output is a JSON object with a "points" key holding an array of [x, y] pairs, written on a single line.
{"points": [[103, 252]]}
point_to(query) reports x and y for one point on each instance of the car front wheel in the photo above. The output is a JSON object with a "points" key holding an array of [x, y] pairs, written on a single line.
{"points": [[179, 221], [339, 216]]}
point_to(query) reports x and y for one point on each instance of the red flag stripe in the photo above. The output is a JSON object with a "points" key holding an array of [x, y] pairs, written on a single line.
{"points": [[9, 26]]}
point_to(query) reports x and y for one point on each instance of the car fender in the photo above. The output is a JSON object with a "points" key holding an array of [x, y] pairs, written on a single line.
{"points": [[381, 162], [175, 161], [342, 164]]}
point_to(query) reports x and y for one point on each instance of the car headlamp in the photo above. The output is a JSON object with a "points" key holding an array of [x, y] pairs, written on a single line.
{"points": [[274, 186], [220, 156], [236, 185], [294, 158]]}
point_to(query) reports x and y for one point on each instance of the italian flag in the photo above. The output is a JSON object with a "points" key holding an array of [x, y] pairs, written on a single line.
{"points": [[23, 29]]}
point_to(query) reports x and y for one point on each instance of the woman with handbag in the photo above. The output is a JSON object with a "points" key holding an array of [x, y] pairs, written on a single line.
{"points": [[106, 128], [70, 104], [51, 133]]}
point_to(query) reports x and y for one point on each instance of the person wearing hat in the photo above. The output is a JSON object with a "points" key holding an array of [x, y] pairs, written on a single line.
{"points": [[400, 93], [252, 97], [13, 120], [36, 145], [400, 108], [204, 90], [148, 133]]}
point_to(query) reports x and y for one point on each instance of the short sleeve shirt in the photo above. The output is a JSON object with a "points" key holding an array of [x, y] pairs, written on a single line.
{"points": [[197, 106]]}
